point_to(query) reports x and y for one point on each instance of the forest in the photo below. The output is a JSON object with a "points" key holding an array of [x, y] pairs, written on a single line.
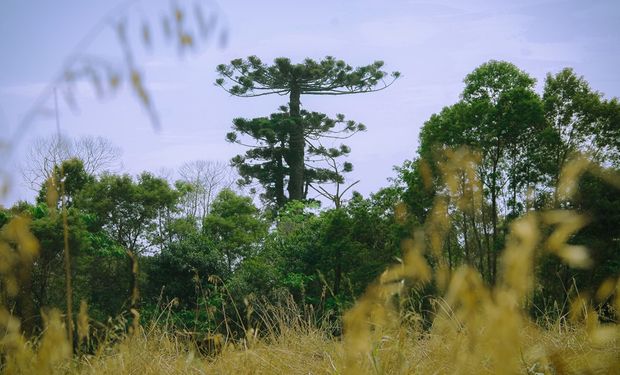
{"points": [[505, 217]]}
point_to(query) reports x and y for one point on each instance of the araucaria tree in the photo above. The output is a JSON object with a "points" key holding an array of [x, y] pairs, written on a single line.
{"points": [[251, 77], [268, 158]]}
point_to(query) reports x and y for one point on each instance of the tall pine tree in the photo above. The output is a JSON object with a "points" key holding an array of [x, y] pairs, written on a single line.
{"points": [[251, 77]]}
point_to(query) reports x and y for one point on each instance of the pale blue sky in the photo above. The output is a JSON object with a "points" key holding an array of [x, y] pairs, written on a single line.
{"points": [[434, 44]]}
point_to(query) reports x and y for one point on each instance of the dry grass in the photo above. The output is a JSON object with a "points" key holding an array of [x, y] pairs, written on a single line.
{"points": [[300, 350]]}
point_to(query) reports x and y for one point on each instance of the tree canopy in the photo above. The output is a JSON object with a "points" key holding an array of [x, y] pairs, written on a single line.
{"points": [[268, 159]]}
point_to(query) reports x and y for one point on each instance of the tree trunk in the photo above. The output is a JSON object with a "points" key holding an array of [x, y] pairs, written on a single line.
{"points": [[25, 302], [279, 179], [478, 243], [229, 260], [494, 224], [67, 262], [465, 239], [337, 275], [449, 248], [297, 145], [487, 243], [135, 290]]}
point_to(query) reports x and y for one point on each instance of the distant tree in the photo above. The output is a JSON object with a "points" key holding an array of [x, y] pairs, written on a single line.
{"points": [[414, 188], [203, 180], [581, 119], [251, 77], [182, 269], [48, 227], [97, 155], [609, 138], [68, 178], [41, 278], [127, 211], [340, 249], [501, 117], [234, 227], [505, 117]]}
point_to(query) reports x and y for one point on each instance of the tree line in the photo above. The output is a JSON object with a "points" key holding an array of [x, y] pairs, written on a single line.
{"points": [[139, 241]]}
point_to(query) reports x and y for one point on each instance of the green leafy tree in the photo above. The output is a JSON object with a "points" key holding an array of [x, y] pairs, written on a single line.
{"points": [[506, 116], [74, 178], [609, 138], [328, 258], [501, 117], [96, 257], [251, 77], [581, 119], [234, 227], [182, 269], [127, 211], [358, 241], [42, 280], [413, 190]]}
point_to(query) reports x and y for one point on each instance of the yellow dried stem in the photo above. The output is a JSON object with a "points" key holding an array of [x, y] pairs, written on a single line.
{"points": [[570, 176], [427, 174], [136, 82], [518, 258], [52, 193], [114, 80], [54, 348], [578, 309], [146, 34], [17, 231], [83, 326], [178, 15], [603, 335], [567, 223], [400, 213], [617, 299], [186, 40], [605, 290], [18, 354]]}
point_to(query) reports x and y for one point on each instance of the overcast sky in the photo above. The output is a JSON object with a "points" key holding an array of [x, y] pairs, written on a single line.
{"points": [[434, 44]]}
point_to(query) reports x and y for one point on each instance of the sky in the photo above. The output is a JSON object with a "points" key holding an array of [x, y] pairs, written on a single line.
{"points": [[434, 44]]}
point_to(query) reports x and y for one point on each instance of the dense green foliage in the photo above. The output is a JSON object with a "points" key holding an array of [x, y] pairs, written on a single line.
{"points": [[130, 234], [524, 141]]}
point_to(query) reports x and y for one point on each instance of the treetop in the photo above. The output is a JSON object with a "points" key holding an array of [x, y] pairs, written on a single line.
{"points": [[251, 77], [491, 79]]}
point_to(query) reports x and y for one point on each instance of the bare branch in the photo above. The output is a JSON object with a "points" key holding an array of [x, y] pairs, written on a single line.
{"points": [[97, 154]]}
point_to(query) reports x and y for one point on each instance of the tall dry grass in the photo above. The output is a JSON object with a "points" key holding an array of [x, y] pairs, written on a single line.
{"points": [[477, 328]]}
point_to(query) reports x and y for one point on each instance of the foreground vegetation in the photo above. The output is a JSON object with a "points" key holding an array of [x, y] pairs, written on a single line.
{"points": [[298, 347], [475, 330]]}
